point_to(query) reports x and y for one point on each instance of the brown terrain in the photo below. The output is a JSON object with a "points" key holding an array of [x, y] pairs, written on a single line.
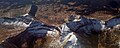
{"points": [[57, 13]]}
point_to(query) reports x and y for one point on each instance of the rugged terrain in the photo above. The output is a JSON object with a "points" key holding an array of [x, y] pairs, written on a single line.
{"points": [[56, 12]]}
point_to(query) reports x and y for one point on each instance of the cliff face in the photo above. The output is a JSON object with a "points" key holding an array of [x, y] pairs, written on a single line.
{"points": [[56, 12]]}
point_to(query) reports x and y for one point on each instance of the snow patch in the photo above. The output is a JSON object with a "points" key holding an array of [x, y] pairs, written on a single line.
{"points": [[25, 14], [65, 28], [119, 44], [17, 23]]}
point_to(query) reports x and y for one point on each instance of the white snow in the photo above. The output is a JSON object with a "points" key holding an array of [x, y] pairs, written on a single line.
{"points": [[17, 23], [65, 28], [25, 14], [73, 38], [119, 44], [117, 26]]}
